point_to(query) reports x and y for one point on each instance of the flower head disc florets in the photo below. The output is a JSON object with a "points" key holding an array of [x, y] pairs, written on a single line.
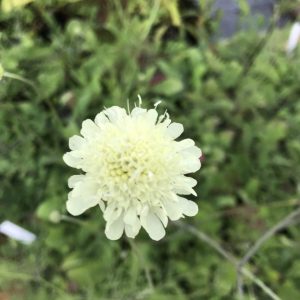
{"points": [[134, 170]]}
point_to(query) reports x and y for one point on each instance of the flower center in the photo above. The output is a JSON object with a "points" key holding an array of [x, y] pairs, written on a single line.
{"points": [[130, 162]]}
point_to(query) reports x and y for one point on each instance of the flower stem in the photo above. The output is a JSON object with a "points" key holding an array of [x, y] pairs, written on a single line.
{"points": [[287, 221], [135, 248], [205, 238], [19, 78]]}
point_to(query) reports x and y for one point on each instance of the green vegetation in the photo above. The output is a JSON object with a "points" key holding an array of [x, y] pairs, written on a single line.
{"points": [[238, 99]]}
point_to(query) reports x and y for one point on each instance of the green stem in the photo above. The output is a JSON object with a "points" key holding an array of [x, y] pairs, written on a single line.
{"points": [[73, 220], [141, 258], [28, 277], [208, 240], [19, 78]]}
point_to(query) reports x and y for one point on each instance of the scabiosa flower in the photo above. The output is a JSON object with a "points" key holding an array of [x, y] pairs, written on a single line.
{"points": [[134, 170]]}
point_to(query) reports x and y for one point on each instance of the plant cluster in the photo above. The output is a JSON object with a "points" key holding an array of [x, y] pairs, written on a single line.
{"points": [[63, 62]]}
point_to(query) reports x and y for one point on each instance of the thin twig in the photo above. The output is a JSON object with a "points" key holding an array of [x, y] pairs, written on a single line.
{"points": [[287, 221], [205, 238]]}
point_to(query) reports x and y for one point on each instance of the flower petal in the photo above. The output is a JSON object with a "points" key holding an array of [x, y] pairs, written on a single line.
{"points": [[189, 208], [112, 213], [73, 180], [153, 226], [138, 112], [132, 230], [194, 151], [101, 119], [175, 130], [89, 129], [115, 113], [173, 209], [132, 222], [161, 214], [83, 196], [76, 142], [76, 206], [130, 217], [115, 230], [183, 185], [72, 161], [102, 206], [184, 144], [191, 165], [151, 116]]}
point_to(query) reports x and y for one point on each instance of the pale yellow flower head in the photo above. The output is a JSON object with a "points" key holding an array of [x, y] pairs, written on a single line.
{"points": [[134, 170]]}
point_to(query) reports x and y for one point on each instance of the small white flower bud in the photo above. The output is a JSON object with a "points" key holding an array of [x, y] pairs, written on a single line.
{"points": [[55, 216]]}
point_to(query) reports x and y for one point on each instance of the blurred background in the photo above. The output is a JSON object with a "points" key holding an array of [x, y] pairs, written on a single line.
{"points": [[222, 69]]}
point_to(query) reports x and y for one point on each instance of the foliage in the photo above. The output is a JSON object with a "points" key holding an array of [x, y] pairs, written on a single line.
{"points": [[239, 102]]}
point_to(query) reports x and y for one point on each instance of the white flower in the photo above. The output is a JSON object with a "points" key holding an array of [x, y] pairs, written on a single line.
{"points": [[134, 171]]}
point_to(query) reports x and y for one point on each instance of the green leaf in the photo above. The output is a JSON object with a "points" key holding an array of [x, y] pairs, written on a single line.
{"points": [[46, 208], [169, 87]]}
